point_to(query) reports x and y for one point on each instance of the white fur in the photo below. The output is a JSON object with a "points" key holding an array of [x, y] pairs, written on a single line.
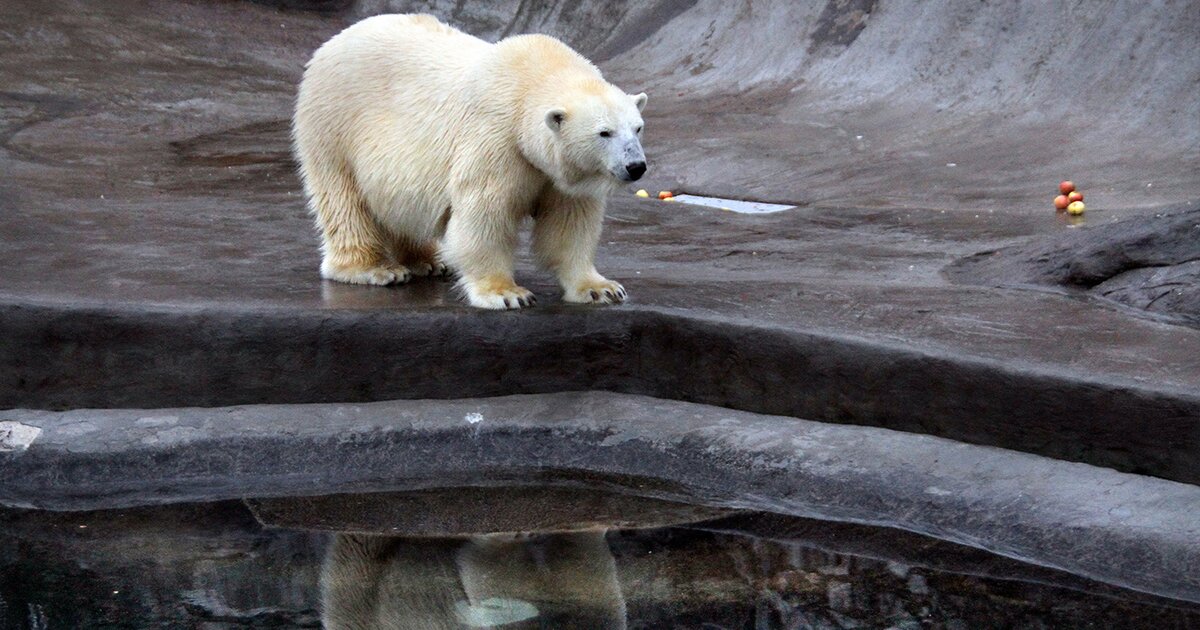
{"points": [[383, 583], [409, 131]]}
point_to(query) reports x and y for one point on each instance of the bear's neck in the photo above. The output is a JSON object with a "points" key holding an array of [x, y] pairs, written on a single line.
{"points": [[592, 185]]}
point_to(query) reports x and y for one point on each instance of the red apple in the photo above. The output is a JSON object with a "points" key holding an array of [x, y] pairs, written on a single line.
{"points": [[1066, 187], [1075, 196], [1061, 202], [666, 194]]}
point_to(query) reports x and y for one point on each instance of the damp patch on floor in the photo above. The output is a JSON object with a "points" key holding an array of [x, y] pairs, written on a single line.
{"points": [[734, 205]]}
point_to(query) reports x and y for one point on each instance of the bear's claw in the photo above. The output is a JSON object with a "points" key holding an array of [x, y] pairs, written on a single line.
{"points": [[601, 292], [519, 302], [430, 269], [500, 297]]}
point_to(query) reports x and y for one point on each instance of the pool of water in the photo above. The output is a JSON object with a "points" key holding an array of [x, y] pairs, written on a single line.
{"points": [[217, 566]]}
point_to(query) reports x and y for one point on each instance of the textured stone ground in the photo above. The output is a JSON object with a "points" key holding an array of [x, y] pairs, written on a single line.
{"points": [[1149, 263]]}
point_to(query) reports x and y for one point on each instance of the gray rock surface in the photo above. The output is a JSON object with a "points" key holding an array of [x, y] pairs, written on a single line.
{"points": [[1150, 263], [159, 254], [1172, 290], [470, 511], [81, 356]]}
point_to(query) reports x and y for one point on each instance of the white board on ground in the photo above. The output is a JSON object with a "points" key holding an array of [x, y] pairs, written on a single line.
{"points": [[736, 205]]}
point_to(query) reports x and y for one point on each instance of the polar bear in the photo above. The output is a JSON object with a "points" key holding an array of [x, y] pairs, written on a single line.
{"points": [[421, 146]]}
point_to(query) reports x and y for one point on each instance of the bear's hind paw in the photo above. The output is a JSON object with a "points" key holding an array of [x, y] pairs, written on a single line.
{"points": [[430, 269], [377, 276]]}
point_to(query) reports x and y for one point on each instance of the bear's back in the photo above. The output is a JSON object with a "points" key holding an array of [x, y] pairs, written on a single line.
{"points": [[384, 72], [378, 101], [400, 45], [542, 58]]}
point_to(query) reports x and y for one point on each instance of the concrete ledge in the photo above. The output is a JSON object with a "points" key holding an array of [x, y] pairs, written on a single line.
{"points": [[470, 511], [1126, 530], [65, 356]]}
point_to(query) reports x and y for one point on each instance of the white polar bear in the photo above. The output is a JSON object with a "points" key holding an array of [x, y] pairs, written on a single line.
{"points": [[409, 131]]}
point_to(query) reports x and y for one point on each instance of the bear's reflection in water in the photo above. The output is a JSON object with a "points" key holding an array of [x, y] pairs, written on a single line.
{"points": [[566, 580]]}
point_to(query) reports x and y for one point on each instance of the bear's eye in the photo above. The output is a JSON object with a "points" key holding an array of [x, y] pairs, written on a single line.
{"points": [[639, 130], [606, 134]]}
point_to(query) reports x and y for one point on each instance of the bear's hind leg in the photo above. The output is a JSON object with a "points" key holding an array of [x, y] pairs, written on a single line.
{"points": [[353, 244]]}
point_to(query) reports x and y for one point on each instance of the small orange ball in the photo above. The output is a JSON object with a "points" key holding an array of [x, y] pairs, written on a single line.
{"points": [[1066, 187], [1074, 196], [1061, 202], [666, 194]]}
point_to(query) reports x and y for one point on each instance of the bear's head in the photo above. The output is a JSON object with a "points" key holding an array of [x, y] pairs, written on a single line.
{"points": [[594, 132]]}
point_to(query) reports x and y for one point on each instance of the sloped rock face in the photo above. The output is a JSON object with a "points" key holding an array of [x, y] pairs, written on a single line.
{"points": [[326, 7], [857, 102], [1150, 263], [1172, 290]]}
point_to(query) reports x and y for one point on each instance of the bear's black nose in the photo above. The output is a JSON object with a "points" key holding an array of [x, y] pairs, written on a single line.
{"points": [[636, 170]]}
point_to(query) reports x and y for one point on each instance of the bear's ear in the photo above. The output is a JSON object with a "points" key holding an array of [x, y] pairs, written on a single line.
{"points": [[639, 100], [555, 117]]}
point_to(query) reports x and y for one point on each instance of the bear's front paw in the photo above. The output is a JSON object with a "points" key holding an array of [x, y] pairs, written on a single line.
{"points": [[596, 292], [498, 295]]}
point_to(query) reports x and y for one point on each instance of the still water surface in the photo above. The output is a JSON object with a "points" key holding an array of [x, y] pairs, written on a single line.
{"points": [[215, 566]]}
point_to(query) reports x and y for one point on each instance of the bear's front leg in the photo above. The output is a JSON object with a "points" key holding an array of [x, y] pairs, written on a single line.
{"points": [[481, 237], [566, 232]]}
